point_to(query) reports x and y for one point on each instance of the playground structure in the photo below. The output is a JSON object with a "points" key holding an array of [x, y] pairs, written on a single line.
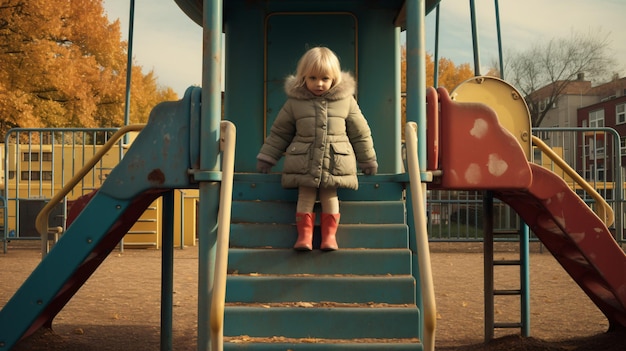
{"points": [[246, 219]]}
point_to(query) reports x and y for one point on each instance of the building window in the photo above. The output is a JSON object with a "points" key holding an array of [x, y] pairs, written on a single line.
{"points": [[595, 173], [586, 149], [596, 119], [36, 175], [607, 194], [620, 113], [26, 175], [600, 173], [46, 156], [596, 151], [31, 156], [46, 175], [622, 142], [588, 174]]}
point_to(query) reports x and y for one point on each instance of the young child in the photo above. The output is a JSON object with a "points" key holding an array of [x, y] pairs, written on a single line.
{"points": [[324, 136]]}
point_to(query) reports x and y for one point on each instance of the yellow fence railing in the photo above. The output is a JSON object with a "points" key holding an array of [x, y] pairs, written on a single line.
{"points": [[421, 236], [218, 298], [41, 222], [603, 209]]}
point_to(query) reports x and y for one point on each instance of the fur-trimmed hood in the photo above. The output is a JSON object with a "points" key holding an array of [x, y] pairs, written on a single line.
{"points": [[346, 88]]}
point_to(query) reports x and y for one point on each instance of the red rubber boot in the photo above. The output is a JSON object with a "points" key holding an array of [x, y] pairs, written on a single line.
{"points": [[305, 223], [330, 222]]}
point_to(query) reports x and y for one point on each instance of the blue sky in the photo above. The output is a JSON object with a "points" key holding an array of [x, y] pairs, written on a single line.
{"points": [[168, 42]]}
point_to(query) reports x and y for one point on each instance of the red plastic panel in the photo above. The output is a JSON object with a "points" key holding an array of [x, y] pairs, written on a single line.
{"points": [[432, 129], [476, 152]]}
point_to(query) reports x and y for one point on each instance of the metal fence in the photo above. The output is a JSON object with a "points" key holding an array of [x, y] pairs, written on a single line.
{"points": [[38, 163], [596, 155], [458, 216]]}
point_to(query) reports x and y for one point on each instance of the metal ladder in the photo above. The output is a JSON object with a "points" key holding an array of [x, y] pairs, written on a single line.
{"points": [[490, 264]]}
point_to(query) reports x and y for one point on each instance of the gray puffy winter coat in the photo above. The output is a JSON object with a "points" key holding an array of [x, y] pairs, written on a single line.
{"points": [[322, 137]]}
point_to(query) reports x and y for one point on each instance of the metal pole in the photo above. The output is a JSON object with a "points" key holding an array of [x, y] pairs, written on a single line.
{"points": [[416, 72], [488, 264], [167, 271], [129, 66], [475, 39], [210, 117], [436, 58], [500, 58], [525, 278], [182, 219]]}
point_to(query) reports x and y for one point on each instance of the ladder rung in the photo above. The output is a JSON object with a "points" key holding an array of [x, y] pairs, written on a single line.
{"points": [[507, 325], [506, 263], [507, 292]]}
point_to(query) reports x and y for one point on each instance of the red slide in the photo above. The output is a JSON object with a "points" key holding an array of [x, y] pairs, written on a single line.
{"points": [[577, 238], [476, 153]]}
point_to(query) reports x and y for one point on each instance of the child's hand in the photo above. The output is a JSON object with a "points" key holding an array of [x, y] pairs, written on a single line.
{"points": [[369, 168], [263, 167]]}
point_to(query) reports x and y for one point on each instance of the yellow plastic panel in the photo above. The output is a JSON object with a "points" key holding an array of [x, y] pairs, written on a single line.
{"points": [[505, 100]]}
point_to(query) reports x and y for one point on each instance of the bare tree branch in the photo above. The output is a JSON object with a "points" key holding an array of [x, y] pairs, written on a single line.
{"points": [[543, 72]]}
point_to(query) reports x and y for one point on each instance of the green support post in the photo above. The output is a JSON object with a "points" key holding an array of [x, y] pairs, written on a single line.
{"points": [[209, 162]]}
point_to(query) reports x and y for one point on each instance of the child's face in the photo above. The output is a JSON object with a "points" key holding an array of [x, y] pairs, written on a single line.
{"points": [[318, 83]]}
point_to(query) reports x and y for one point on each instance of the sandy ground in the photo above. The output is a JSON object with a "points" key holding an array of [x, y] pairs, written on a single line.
{"points": [[119, 306]]}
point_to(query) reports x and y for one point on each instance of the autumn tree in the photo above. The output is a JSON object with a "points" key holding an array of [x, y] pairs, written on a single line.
{"points": [[450, 75], [64, 65], [543, 72]]}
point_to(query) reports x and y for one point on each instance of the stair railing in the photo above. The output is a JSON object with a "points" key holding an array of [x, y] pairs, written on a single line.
{"points": [[421, 237], [41, 222], [218, 297], [603, 210]]}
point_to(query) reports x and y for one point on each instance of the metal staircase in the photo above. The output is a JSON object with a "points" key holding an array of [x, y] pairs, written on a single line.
{"points": [[359, 297]]}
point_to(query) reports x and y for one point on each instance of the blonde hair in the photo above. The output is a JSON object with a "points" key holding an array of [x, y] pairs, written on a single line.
{"points": [[319, 61]]}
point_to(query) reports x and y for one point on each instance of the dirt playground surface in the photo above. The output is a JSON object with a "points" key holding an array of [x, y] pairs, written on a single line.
{"points": [[118, 308]]}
